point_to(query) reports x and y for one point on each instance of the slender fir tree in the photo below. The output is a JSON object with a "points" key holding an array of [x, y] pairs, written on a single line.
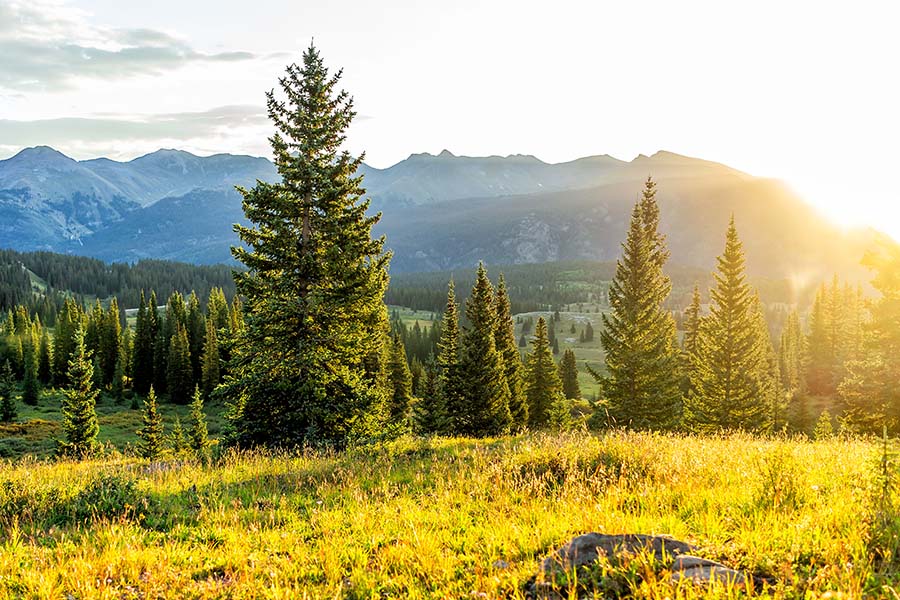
{"points": [[485, 395], [198, 436], [8, 409], [79, 405], [400, 384], [642, 385], [211, 373], [178, 442], [730, 388], [568, 373], [31, 387], [180, 372], [152, 434], [505, 339], [449, 377], [302, 370], [542, 384]]}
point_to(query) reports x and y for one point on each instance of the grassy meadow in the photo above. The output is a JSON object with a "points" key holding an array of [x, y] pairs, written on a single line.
{"points": [[451, 518]]}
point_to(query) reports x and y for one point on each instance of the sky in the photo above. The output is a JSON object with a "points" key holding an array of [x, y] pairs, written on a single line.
{"points": [[807, 92]]}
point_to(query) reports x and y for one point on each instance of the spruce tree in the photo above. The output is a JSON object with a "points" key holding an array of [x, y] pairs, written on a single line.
{"points": [[542, 384], [689, 356], [485, 395], [729, 385], [45, 359], [198, 436], [430, 414], [449, 376], [819, 373], [314, 282], [505, 339], [211, 373], [400, 384], [178, 442], [144, 339], [559, 416], [110, 342], [79, 405], [180, 372], [152, 434], [31, 387], [568, 373], [642, 385], [8, 409]]}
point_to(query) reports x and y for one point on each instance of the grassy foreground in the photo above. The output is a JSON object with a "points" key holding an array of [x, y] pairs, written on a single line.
{"points": [[445, 518]]}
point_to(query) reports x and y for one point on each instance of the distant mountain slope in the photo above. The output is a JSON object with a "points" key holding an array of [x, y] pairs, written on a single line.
{"points": [[439, 212]]}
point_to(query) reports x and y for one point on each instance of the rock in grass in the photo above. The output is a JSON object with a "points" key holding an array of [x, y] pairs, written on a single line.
{"points": [[702, 571], [585, 549]]}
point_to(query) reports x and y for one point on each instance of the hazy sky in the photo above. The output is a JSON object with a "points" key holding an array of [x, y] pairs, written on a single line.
{"points": [[805, 91]]}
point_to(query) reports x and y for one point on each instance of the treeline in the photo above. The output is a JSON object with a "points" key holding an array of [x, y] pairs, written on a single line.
{"points": [[63, 275], [174, 350]]}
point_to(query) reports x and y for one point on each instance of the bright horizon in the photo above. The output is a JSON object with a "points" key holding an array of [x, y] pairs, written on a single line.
{"points": [[802, 93]]}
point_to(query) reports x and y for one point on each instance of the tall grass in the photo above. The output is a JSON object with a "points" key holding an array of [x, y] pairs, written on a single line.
{"points": [[447, 518]]}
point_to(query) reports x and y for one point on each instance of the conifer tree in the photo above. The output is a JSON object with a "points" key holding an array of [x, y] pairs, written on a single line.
{"points": [[211, 374], [118, 381], [819, 373], [178, 442], [196, 330], [485, 395], [728, 387], [588, 332], [8, 409], [400, 383], [642, 386], [542, 384], [152, 434], [144, 339], [449, 376], [430, 415], [559, 416], [217, 309], [31, 389], [315, 279], [79, 405], [181, 374], [110, 341], [198, 435], [67, 322], [790, 354], [505, 339], [45, 359], [568, 374]]}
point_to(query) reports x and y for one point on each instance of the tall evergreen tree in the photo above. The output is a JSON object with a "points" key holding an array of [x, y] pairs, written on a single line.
{"points": [[152, 433], [430, 414], [8, 409], [67, 322], [485, 395], [642, 386], [110, 342], [31, 387], [449, 377], [180, 372], [211, 373], [315, 278], [729, 386], [568, 373], [505, 339], [45, 359], [790, 354], [196, 330], [400, 383], [542, 384], [144, 339], [79, 405]]}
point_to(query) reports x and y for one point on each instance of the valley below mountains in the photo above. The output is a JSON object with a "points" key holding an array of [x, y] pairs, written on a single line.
{"points": [[438, 212]]}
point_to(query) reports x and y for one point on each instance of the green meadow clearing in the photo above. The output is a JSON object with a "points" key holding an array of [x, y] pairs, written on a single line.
{"points": [[452, 518]]}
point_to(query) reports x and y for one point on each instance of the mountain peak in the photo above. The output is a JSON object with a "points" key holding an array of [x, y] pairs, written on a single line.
{"points": [[43, 154], [446, 154]]}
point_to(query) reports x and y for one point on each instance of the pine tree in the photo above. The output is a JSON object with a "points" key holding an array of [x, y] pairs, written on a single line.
{"points": [[8, 409], [819, 365], [110, 342], [211, 374], [542, 384], [196, 330], [588, 332], [178, 442], [118, 381], [198, 436], [31, 389], [559, 416], [642, 385], [400, 384], [430, 415], [449, 376], [505, 340], [45, 359], [790, 354], [728, 389], [568, 374], [180, 372], [152, 434], [79, 405], [145, 334], [67, 322], [315, 279], [485, 395]]}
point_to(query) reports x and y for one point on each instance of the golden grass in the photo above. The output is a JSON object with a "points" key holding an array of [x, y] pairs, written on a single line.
{"points": [[431, 518]]}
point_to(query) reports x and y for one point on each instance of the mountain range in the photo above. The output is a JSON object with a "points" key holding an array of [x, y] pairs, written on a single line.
{"points": [[439, 211]]}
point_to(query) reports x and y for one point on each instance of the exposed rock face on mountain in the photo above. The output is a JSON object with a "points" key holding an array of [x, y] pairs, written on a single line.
{"points": [[439, 212]]}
